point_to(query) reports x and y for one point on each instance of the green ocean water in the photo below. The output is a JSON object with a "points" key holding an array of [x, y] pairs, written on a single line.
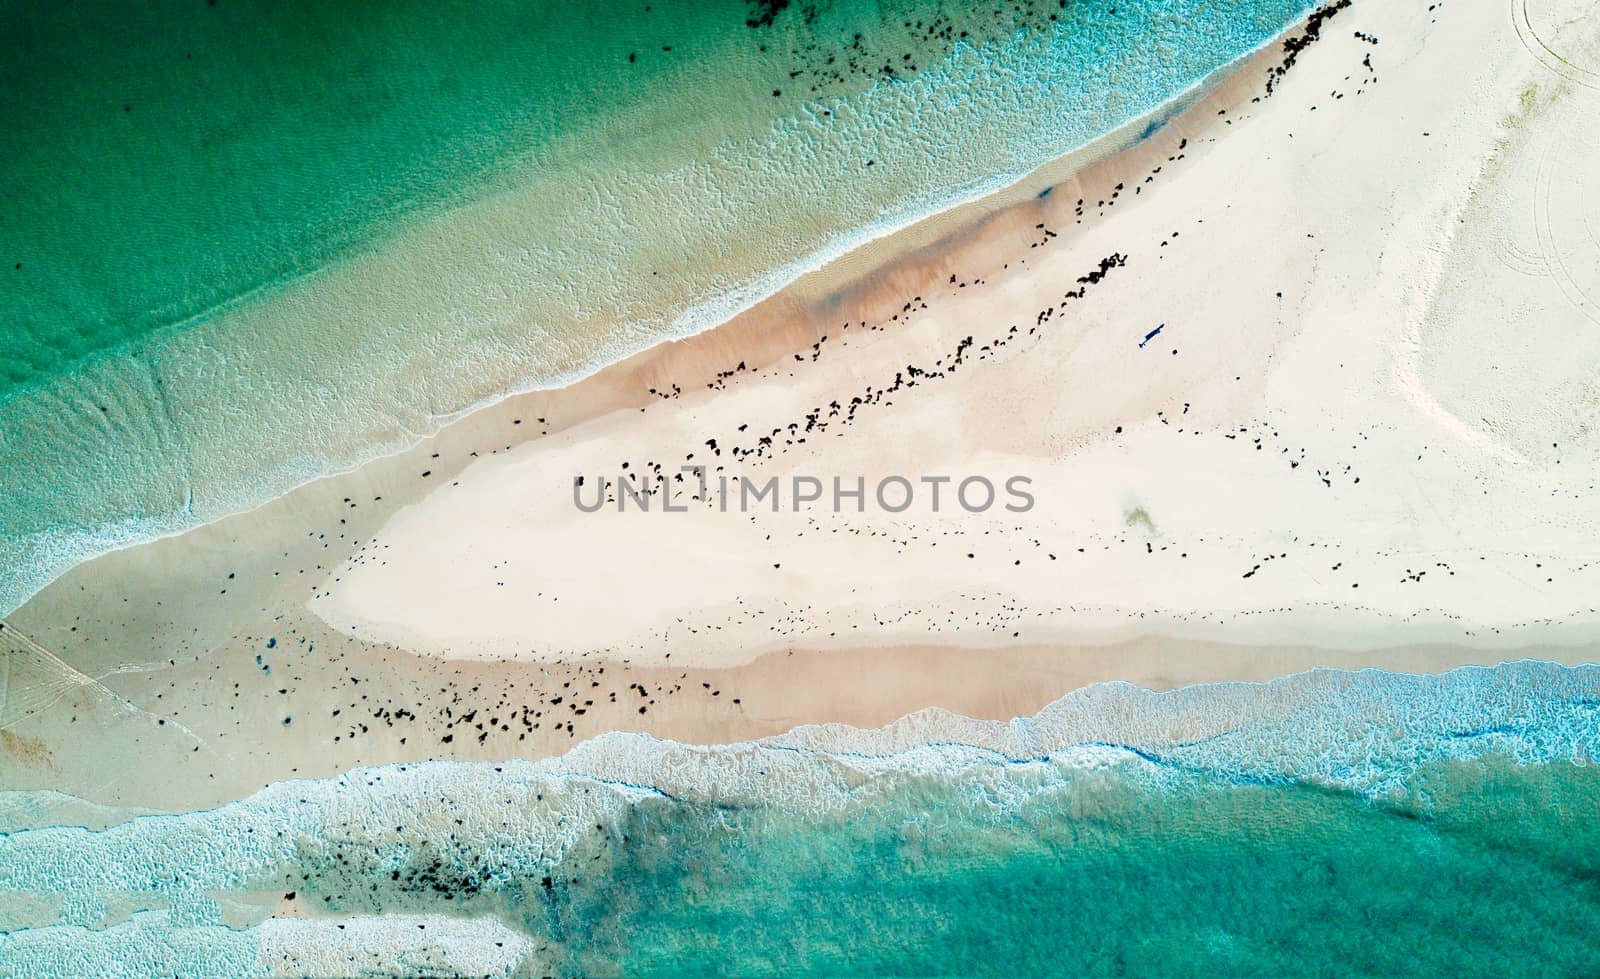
{"points": [[245, 244], [1484, 869], [1326, 824], [166, 159]]}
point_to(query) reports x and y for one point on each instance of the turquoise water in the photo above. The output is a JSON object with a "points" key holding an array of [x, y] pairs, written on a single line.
{"points": [[246, 244], [1327, 824], [1105, 876]]}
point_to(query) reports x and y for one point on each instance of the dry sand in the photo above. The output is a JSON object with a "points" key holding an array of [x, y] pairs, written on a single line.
{"points": [[1350, 445], [1352, 426]]}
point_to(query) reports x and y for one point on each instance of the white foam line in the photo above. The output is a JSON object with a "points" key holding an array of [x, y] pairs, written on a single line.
{"points": [[83, 544]]}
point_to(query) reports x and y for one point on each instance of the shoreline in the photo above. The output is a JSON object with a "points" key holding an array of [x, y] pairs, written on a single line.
{"points": [[1298, 626], [825, 267], [1126, 496], [234, 641], [411, 708], [1124, 770], [1072, 720]]}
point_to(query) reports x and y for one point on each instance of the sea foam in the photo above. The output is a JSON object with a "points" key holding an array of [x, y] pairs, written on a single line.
{"points": [[575, 258], [485, 840]]}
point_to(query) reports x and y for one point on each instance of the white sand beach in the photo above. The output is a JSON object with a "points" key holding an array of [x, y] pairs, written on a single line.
{"points": [[1272, 374], [1335, 435]]}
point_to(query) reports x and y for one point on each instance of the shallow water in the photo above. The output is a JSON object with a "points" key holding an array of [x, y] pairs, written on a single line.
{"points": [[268, 241], [1106, 875], [1330, 823]]}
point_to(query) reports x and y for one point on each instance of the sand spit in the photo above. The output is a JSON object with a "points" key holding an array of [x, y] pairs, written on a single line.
{"points": [[1268, 384], [1274, 415]]}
